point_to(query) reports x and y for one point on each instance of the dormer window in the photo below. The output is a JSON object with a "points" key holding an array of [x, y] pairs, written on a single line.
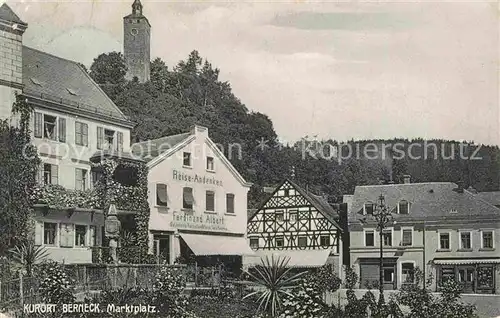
{"points": [[403, 207], [368, 209]]}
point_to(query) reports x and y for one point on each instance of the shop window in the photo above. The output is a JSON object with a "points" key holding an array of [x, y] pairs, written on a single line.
{"points": [[407, 273], [447, 273]]}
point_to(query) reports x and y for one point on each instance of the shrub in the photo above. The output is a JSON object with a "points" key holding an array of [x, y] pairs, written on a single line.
{"points": [[55, 285]]}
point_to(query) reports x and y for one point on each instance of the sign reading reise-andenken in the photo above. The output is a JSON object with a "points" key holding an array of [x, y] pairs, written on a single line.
{"points": [[181, 176], [203, 222]]}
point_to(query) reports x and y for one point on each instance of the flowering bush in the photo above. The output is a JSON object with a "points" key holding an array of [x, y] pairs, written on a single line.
{"points": [[59, 197], [55, 285], [168, 294]]}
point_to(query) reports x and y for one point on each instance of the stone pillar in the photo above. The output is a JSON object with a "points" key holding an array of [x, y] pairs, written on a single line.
{"points": [[112, 225]]}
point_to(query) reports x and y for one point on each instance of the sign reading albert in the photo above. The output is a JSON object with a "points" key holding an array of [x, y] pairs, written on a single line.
{"points": [[198, 222], [181, 176]]}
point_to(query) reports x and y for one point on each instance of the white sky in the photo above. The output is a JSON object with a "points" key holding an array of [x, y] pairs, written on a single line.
{"points": [[337, 70]]}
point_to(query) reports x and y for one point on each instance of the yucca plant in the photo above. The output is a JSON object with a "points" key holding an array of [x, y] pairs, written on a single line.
{"points": [[276, 281], [28, 254]]}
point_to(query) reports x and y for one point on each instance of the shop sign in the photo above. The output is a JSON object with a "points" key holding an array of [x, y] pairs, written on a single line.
{"points": [[195, 178], [198, 222]]}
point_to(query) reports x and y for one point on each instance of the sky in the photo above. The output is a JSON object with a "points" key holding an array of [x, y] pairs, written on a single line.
{"points": [[342, 70]]}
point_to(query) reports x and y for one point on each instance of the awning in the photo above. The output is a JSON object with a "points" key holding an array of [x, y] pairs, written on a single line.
{"points": [[467, 261], [217, 244], [297, 258]]}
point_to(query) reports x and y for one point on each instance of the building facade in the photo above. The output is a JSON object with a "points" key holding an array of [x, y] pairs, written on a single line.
{"points": [[439, 227], [198, 200], [73, 120], [298, 225], [136, 44]]}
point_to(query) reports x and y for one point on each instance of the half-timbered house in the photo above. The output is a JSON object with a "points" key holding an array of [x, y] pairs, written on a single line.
{"points": [[296, 224]]}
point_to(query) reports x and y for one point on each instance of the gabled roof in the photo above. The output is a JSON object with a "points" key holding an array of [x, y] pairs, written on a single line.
{"points": [[317, 201], [151, 149], [7, 14], [58, 80], [427, 200], [157, 150], [492, 197]]}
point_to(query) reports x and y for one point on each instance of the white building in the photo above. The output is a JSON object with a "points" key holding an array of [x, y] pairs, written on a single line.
{"points": [[198, 200]]}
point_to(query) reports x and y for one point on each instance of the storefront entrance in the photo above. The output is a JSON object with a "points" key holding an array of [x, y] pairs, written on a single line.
{"points": [[162, 248], [370, 273], [474, 278]]}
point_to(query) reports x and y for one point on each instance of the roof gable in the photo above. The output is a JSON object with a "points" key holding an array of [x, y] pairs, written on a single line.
{"points": [[7, 14], [63, 81], [276, 198]]}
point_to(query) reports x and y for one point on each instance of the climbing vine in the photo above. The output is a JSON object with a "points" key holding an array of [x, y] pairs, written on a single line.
{"points": [[18, 167]]}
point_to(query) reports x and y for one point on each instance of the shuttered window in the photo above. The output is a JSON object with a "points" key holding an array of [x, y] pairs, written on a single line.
{"points": [[100, 137], [161, 194], [187, 198], [66, 235], [210, 201], [38, 125], [62, 129], [229, 203], [119, 141], [81, 134]]}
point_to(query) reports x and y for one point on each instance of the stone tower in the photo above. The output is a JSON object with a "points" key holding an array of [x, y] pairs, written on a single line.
{"points": [[136, 44], [11, 58]]}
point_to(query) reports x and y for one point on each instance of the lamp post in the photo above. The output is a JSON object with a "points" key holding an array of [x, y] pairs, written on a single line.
{"points": [[383, 217]]}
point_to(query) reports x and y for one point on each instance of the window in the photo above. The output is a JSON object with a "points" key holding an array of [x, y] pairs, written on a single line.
{"points": [[387, 237], [49, 127], [406, 237], [81, 179], [50, 173], [210, 164], [302, 241], [293, 216], [279, 241], [465, 240], [66, 235], [278, 216], [403, 207], [49, 233], [254, 242], [109, 138], [369, 208], [444, 241], [407, 271], [210, 201], [161, 194], [80, 233], [187, 198], [229, 203], [93, 235], [388, 275], [487, 239], [81, 134], [369, 238], [186, 159], [324, 240]]}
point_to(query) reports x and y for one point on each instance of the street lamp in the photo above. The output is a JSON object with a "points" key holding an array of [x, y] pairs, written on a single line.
{"points": [[383, 217]]}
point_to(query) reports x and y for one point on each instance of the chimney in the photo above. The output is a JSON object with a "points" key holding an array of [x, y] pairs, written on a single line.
{"points": [[406, 179], [460, 188]]}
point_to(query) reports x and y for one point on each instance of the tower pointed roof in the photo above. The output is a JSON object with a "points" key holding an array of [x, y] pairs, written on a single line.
{"points": [[9, 21], [137, 7]]}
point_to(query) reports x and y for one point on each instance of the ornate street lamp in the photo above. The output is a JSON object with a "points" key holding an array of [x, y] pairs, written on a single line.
{"points": [[383, 217]]}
